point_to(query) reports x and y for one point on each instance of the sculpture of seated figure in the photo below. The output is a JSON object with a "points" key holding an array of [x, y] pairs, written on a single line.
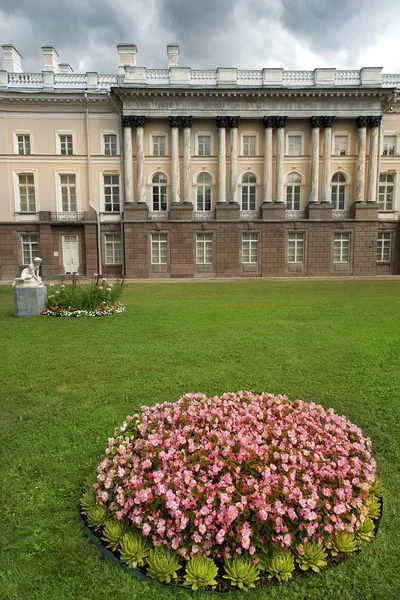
{"points": [[30, 275]]}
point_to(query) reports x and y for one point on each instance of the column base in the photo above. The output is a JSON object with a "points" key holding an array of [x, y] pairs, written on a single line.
{"points": [[273, 211], [136, 212], [180, 212], [227, 212], [319, 211], [365, 210]]}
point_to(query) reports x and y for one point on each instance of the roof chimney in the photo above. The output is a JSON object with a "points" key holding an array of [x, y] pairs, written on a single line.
{"points": [[126, 57], [50, 56], [12, 60], [173, 55]]}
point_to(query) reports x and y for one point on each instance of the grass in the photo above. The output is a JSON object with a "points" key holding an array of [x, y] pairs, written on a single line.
{"points": [[65, 384]]}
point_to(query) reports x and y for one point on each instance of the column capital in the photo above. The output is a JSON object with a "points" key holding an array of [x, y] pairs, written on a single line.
{"points": [[127, 121], [280, 122], [139, 121], [362, 121], [222, 122], [327, 121], [174, 121], [186, 122], [316, 122], [269, 122], [233, 122], [374, 121]]}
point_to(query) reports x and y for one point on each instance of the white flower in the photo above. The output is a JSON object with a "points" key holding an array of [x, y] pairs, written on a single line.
{"points": [[100, 287], [103, 280], [63, 287], [108, 289], [110, 285], [52, 285], [57, 292]]}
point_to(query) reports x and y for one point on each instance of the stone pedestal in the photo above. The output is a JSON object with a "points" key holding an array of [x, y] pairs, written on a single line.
{"points": [[181, 212], [136, 212], [365, 210], [227, 212], [319, 212], [29, 300], [273, 212]]}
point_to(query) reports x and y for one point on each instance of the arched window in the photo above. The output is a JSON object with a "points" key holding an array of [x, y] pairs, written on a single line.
{"points": [[293, 183], [249, 191], [338, 197], [203, 192], [159, 191]]}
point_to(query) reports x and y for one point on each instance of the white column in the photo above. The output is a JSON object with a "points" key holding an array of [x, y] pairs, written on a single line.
{"points": [[140, 122], [174, 123], [362, 123], [186, 123], [234, 124], [315, 123], [280, 123], [374, 123], [268, 124], [222, 123], [327, 123], [128, 159]]}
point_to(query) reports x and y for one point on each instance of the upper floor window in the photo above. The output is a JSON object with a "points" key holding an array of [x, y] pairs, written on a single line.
{"points": [[113, 248], [294, 145], [111, 193], [386, 191], [203, 192], [250, 247], [24, 143], [384, 246], [66, 146], [293, 183], [204, 249], [159, 192], [26, 189], [204, 145], [338, 188], [249, 191], [159, 249], [68, 192], [109, 144], [158, 145], [389, 145], [296, 247], [30, 248], [341, 247], [340, 144], [249, 145]]}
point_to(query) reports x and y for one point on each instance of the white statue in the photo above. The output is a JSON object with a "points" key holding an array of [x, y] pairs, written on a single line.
{"points": [[30, 275]]}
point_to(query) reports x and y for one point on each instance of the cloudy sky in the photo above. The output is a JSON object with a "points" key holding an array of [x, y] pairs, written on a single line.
{"points": [[248, 34]]}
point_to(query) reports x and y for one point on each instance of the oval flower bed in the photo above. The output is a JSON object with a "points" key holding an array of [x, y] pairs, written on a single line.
{"points": [[98, 299], [237, 491]]}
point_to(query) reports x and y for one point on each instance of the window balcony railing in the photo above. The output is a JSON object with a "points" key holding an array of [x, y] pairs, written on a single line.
{"points": [[67, 216], [159, 215], [340, 214], [295, 214], [249, 215], [204, 215]]}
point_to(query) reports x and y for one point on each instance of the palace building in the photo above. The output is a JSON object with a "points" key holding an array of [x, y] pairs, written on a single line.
{"points": [[186, 173]]}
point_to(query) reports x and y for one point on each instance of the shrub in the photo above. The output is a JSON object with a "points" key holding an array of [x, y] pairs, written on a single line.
{"points": [[313, 557], [241, 572], [163, 564], [134, 549], [201, 572], [281, 565], [343, 543]]}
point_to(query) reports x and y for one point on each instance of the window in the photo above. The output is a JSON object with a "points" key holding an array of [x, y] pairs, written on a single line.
{"points": [[204, 249], [110, 144], [338, 189], [296, 247], [203, 192], [113, 249], [384, 246], [389, 145], [294, 145], [159, 192], [249, 191], [26, 187], [250, 248], [68, 193], [159, 249], [204, 145], [249, 145], [24, 143], [30, 248], [340, 145], [386, 188], [111, 193], [293, 183], [158, 143], [341, 247], [66, 144]]}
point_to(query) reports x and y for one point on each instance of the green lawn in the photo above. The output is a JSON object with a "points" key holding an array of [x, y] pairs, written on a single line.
{"points": [[66, 383]]}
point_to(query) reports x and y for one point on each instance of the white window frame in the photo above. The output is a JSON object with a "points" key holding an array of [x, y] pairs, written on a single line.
{"points": [[16, 174], [154, 258], [395, 175], [297, 243], [292, 185], [393, 134], [299, 134], [341, 244], [105, 236], [152, 185], [158, 134], [205, 244], [58, 142], [199, 134], [250, 241], [58, 188], [15, 137], [103, 146], [338, 184], [32, 254], [248, 185], [249, 134], [103, 194], [380, 248], [204, 185], [345, 134]]}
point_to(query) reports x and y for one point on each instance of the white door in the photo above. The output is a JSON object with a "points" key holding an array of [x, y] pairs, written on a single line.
{"points": [[70, 253]]}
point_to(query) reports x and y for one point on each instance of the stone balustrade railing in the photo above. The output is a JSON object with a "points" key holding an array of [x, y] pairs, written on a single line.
{"points": [[186, 77]]}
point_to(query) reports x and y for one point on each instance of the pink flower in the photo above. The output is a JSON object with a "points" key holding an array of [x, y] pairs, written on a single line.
{"points": [[146, 529]]}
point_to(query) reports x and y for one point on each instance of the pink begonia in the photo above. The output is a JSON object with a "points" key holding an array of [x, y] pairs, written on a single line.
{"points": [[212, 475]]}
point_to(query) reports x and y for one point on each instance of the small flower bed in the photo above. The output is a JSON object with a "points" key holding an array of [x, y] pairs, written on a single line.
{"points": [[234, 491], [98, 299]]}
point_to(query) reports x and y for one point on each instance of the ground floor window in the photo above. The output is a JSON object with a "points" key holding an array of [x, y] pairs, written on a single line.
{"points": [[296, 247], [204, 248], [250, 247], [113, 249], [159, 249], [341, 247], [384, 246], [30, 248]]}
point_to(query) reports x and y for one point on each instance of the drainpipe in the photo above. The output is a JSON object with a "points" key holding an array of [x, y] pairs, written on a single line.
{"points": [[121, 153], [89, 177], [378, 165]]}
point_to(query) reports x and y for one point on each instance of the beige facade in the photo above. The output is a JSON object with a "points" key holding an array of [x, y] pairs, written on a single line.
{"points": [[113, 173]]}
